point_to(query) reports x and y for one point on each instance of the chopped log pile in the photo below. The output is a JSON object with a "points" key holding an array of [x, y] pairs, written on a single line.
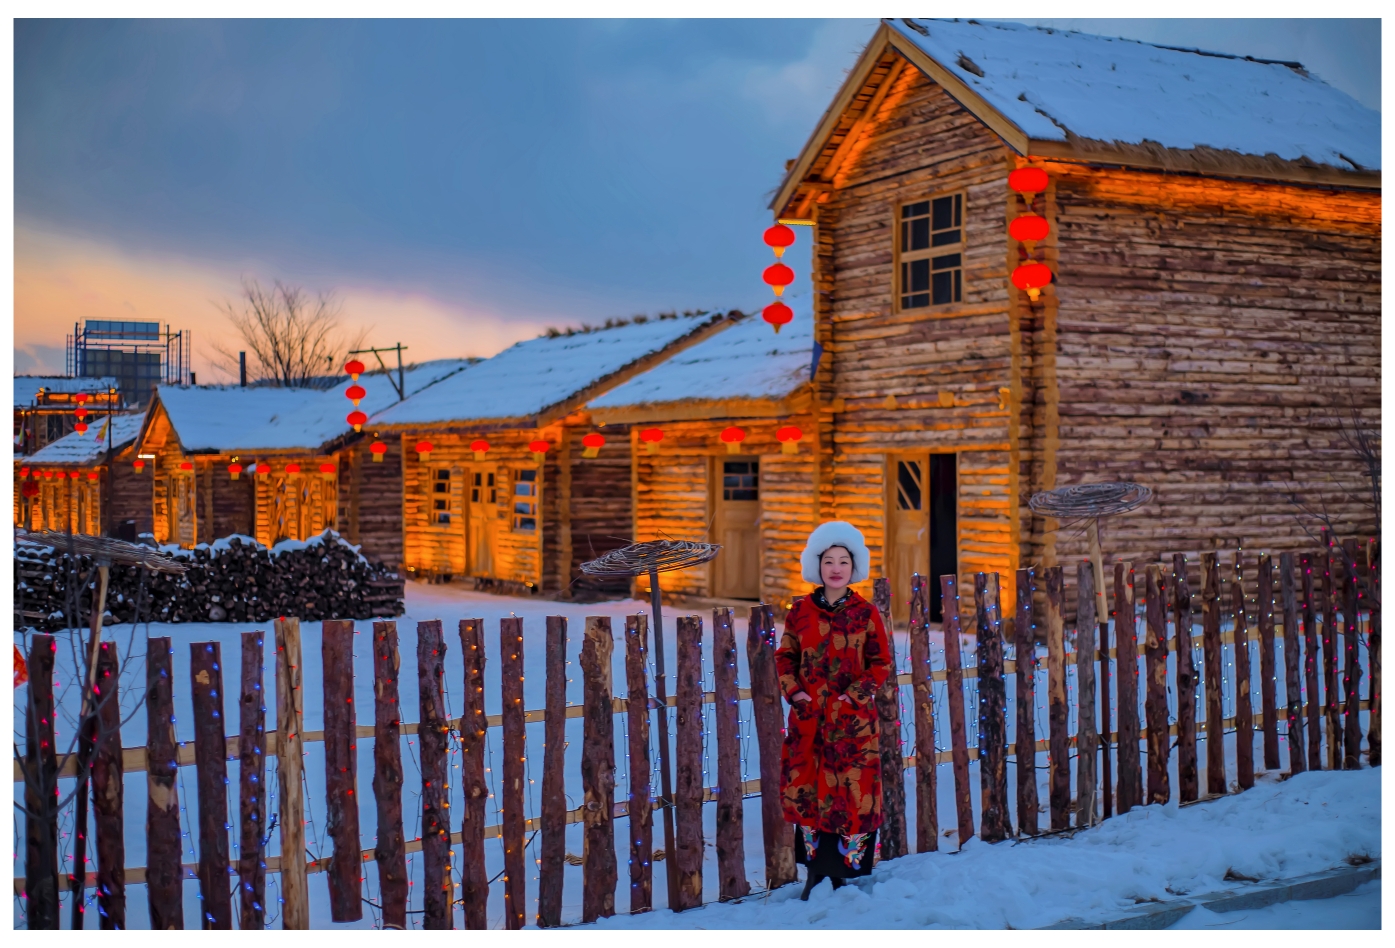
{"points": [[235, 579]]}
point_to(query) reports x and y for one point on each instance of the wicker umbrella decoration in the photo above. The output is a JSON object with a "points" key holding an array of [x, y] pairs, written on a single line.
{"points": [[655, 557], [1090, 502]]}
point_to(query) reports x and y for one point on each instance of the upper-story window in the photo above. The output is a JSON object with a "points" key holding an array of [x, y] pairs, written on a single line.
{"points": [[932, 252]]}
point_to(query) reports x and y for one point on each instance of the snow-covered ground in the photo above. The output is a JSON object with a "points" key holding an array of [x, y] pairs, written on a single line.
{"points": [[1358, 909], [450, 604]]}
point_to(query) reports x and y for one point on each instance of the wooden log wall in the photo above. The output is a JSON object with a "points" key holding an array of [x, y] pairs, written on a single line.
{"points": [[474, 887], [602, 509], [130, 494], [293, 506], [370, 501], [598, 772]]}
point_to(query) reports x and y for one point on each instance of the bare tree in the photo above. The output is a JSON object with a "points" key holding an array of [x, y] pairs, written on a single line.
{"points": [[290, 338]]}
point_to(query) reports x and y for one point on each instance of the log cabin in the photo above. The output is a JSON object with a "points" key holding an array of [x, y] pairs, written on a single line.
{"points": [[508, 485], [44, 404], [720, 454], [85, 483], [1208, 325]]}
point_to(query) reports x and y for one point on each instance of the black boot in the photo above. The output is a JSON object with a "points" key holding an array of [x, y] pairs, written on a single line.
{"points": [[839, 883], [814, 879]]}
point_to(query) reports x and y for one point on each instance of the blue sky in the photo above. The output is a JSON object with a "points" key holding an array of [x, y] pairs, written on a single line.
{"points": [[458, 184]]}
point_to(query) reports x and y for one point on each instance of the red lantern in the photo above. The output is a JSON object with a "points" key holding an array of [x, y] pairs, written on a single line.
{"points": [[80, 398], [356, 393], [234, 470], [777, 314], [30, 489], [424, 449], [354, 368], [80, 412], [293, 468], [651, 438], [592, 444], [24, 472], [379, 449], [480, 448], [80, 428], [778, 276], [539, 449], [75, 474], [139, 465], [1028, 181], [92, 475], [327, 471], [1032, 277], [48, 475], [186, 466], [732, 438], [789, 437], [358, 419], [777, 238], [1029, 228]]}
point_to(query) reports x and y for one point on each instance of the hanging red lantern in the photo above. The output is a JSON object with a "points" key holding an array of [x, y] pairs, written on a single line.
{"points": [[651, 438], [354, 368], [789, 437], [139, 465], [80, 412], [480, 448], [777, 314], [80, 428], [732, 438], [1028, 181], [24, 472], [777, 238], [539, 449], [328, 470], [293, 468], [778, 276], [234, 470], [75, 474], [358, 419], [186, 466], [378, 449], [424, 449], [48, 475], [1029, 228], [80, 398], [356, 393], [1032, 277], [92, 475], [592, 444]]}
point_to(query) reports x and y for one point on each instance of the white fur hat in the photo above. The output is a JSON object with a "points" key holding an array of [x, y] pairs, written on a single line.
{"points": [[834, 533]]}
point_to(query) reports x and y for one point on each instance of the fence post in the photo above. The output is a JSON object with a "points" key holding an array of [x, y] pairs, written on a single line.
{"points": [[954, 682], [1310, 665], [41, 898], [1187, 786], [1264, 607], [1155, 701], [474, 888], [1351, 643], [640, 809], [927, 820], [1211, 658], [1058, 739], [688, 767], [1024, 633], [1293, 688], [1327, 603], [432, 726], [107, 787], [390, 852], [768, 717], [995, 820], [164, 873], [552, 812], [893, 832], [251, 785], [1086, 736], [511, 786], [341, 770], [731, 852], [1105, 721], [1372, 596], [1244, 707], [1126, 644], [210, 753], [290, 764], [598, 772]]}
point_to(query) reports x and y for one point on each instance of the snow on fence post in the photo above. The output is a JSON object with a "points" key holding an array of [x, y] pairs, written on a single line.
{"points": [[688, 769], [1293, 687], [1186, 682], [290, 764], [1058, 713], [927, 821], [107, 786], [1211, 659], [1310, 664], [1373, 734], [731, 852], [1351, 741], [892, 840], [954, 682], [1244, 707], [432, 726], [640, 808], [474, 881], [552, 813], [1126, 646], [164, 873], [251, 785], [1331, 689], [766, 714], [210, 757], [1086, 736], [995, 820], [1026, 755], [599, 873], [514, 773], [341, 770], [1264, 609], [390, 852], [1155, 701]]}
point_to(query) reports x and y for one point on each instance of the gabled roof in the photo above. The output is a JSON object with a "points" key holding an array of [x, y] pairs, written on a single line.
{"points": [[89, 448], [1074, 96], [536, 381], [27, 386]]}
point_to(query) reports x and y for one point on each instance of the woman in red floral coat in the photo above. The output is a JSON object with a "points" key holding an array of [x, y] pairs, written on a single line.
{"points": [[833, 658]]}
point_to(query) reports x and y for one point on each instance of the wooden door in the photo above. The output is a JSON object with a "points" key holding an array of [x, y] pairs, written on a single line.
{"points": [[185, 516], [736, 571], [908, 528], [482, 504]]}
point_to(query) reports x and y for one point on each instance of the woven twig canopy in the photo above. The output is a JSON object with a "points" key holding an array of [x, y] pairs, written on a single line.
{"points": [[1091, 500], [640, 558], [105, 548]]}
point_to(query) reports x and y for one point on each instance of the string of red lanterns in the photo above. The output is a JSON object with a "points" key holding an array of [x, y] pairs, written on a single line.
{"points": [[1031, 276], [81, 413], [777, 276]]}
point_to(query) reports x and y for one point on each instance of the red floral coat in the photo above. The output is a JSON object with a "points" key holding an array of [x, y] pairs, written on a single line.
{"points": [[831, 776]]}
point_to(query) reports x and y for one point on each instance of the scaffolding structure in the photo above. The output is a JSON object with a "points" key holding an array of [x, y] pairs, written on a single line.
{"points": [[138, 354]]}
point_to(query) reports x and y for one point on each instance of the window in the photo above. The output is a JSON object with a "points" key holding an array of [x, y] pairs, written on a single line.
{"points": [[908, 485], [483, 490], [741, 480], [525, 501], [931, 252], [440, 492]]}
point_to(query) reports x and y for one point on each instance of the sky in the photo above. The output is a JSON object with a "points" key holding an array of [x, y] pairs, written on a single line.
{"points": [[457, 186]]}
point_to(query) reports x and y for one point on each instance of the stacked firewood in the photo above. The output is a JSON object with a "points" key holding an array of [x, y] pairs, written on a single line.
{"points": [[234, 580]]}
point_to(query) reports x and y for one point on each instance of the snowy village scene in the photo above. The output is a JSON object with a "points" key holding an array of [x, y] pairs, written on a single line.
{"points": [[745, 474]]}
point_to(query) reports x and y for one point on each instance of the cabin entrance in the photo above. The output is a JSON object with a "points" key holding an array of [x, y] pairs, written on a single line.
{"points": [[921, 527], [481, 519], [736, 489]]}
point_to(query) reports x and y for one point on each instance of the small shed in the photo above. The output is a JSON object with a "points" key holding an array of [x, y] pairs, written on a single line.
{"points": [[69, 485]]}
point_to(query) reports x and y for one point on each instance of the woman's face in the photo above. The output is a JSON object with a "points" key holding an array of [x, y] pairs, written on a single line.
{"points": [[835, 567]]}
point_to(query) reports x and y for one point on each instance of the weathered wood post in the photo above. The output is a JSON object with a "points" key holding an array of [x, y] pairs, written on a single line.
{"points": [[1310, 664], [432, 731], [251, 785], [1244, 708], [640, 809], [731, 850], [1372, 597], [1155, 701], [1058, 735], [341, 770], [164, 873], [474, 887], [598, 769], [210, 753], [390, 850], [892, 838], [927, 820], [514, 773], [1024, 633], [1351, 643], [1187, 784], [1331, 688], [1264, 608], [688, 766], [1126, 645], [996, 821], [1293, 688], [552, 813], [1106, 721], [290, 764], [954, 694], [768, 717], [107, 795], [1086, 734], [1211, 659], [41, 898]]}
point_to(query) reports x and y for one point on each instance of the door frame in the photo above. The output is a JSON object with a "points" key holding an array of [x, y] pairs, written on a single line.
{"points": [[714, 505]]}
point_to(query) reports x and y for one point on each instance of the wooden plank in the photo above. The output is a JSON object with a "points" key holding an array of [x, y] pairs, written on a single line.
{"points": [[1106, 721], [1351, 738], [432, 734], [954, 698], [389, 853], [290, 765], [1058, 755], [1026, 744], [1244, 709], [341, 770], [1126, 644], [1293, 687], [1264, 609], [599, 872], [41, 905], [251, 785], [766, 714], [511, 786], [1211, 663], [552, 814], [474, 880], [688, 766], [995, 820], [107, 795], [1086, 734], [731, 850], [1187, 787], [1155, 701], [164, 876], [892, 836], [206, 672], [638, 809], [1371, 594], [1316, 710], [1331, 688], [927, 820]]}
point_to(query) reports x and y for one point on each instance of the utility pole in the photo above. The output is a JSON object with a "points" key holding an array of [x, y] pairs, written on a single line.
{"points": [[400, 385]]}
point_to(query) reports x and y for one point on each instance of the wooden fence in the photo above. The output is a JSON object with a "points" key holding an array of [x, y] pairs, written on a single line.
{"points": [[1108, 755]]}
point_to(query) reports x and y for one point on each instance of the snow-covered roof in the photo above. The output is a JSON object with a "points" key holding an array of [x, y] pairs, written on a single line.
{"points": [[748, 360], [531, 377], [1053, 84], [27, 386], [89, 448]]}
